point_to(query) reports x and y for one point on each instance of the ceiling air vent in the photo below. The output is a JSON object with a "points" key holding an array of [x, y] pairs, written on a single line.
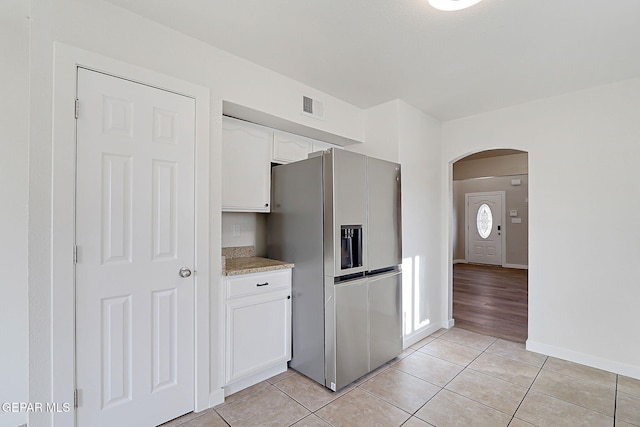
{"points": [[312, 107]]}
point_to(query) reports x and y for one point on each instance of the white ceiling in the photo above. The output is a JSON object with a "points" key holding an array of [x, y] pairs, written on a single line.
{"points": [[447, 64]]}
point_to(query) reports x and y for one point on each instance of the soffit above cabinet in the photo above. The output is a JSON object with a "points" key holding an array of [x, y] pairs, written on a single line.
{"points": [[265, 119]]}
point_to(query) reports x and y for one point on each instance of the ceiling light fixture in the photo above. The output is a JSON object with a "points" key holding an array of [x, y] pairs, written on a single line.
{"points": [[449, 5]]}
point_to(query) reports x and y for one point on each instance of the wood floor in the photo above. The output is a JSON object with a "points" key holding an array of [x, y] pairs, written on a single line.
{"points": [[491, 300]]}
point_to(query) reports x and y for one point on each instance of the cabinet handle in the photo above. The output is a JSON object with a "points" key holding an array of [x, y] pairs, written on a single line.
{"points": [[288, 296], [266, 205], [262, 284]]}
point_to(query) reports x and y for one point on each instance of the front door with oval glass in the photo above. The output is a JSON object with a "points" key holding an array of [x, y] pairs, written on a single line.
{"points": [[484, 227]]}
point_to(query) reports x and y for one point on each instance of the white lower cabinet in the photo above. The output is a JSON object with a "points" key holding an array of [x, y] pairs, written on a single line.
{"points": [[258, 324]]}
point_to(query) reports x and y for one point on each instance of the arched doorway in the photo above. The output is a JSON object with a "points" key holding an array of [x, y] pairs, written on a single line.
{"points": [[490, 243]]}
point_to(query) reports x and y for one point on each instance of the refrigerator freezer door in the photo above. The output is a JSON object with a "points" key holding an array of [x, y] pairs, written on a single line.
{"points": [[347, 335], [384, 241], [385, 320]]}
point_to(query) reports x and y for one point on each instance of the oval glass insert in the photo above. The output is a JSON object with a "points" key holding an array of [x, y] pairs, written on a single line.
{"points": [[484, 221]]}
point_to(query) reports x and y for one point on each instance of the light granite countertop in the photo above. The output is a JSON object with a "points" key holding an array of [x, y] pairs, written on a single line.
{"points": [[247, 265], [241, 260]]}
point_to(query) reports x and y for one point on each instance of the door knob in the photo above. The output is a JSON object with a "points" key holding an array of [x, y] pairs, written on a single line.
{"points": [[184, 272]]}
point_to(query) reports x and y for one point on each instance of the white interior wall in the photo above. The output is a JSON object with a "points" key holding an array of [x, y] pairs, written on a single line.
{"points": [[380, 132], [14, 175], [419, 143], [104, 28], [253, 230], [583, 149]]}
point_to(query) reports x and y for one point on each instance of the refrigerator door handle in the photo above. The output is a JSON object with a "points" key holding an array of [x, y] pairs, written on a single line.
{"points": [[381, 271]]}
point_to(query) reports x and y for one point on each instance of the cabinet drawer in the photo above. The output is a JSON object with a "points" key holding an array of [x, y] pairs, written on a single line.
{"points": [[257, 283]]}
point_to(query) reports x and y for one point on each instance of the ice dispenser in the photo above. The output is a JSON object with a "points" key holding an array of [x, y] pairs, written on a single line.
{"points": [[351, 243]]}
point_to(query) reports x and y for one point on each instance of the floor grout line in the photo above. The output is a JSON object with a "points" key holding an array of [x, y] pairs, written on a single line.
{"points": [[528, 390], [615, 399]]}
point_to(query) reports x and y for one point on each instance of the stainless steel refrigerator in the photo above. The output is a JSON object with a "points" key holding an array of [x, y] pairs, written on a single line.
{"points": [[337, 215]]}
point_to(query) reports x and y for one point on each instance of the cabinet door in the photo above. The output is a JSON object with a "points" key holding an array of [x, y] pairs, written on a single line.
{"points": [[322, 146], [288, 147], [258, 334], [246, 166]]}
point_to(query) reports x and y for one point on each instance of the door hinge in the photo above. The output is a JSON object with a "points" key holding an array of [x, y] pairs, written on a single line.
{"points": [[75, 398], [75, 254], [77, 110]]}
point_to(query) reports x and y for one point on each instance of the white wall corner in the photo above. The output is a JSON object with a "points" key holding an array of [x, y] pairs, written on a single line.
{"points": [[381, 133]]}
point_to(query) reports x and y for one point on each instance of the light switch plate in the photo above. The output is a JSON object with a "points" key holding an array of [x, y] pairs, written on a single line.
{"points": [[516, 220], [513, 212]]}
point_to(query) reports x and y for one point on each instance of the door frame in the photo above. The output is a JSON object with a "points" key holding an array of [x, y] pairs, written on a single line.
{"points": [[503, 234], [67, 60]]}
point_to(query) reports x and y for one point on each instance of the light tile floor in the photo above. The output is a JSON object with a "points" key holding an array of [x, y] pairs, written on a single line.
{"points": [[451, 378]]}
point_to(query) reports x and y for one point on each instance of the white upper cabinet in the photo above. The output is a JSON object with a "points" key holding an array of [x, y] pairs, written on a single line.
{"points": [[288, 147], [246, 166], [247, 152], [322, 146]]}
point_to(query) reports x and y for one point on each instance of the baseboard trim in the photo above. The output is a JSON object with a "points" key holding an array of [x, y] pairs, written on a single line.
{"points": [[518, 266], [418, 336], [216, 397], [254, 379], [584, 359]]}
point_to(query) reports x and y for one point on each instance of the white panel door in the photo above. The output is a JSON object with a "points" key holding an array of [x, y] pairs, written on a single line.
{"points": [[134, 231], [484, 228]]}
